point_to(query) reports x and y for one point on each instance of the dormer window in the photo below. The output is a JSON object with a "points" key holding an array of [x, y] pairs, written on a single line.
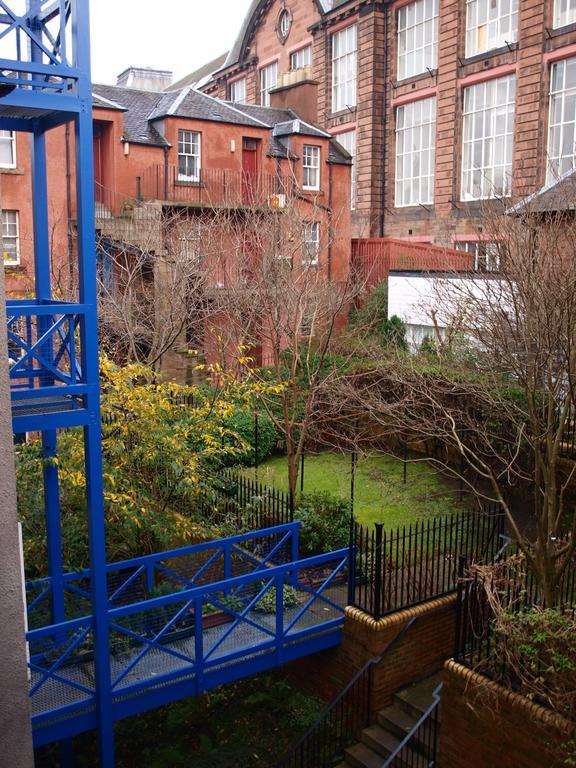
{"points": [[311, 168]]}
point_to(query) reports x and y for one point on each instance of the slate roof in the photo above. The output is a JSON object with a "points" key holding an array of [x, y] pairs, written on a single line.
{"points": [[191, 103], [274, 117], [143, 108], [557, 195], [200, 76], [137, 105]]}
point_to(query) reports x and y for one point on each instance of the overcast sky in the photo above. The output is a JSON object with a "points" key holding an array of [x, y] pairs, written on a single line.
{"points": [[180, 35]]}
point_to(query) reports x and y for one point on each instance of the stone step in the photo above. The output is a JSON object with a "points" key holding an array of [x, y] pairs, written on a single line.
{"points": [[380, 740], [361, 756], [416, 699], [396, 720]]}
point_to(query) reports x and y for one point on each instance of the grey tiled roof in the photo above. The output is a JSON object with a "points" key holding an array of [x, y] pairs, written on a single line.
{"points": [[557, 195], [191, 103], [143, 108], [138, 106], [273, 117], [201, 75]]}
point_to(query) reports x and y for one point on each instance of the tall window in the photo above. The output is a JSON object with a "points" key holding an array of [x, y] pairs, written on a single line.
{"points": [[344, 68], [7, 149], [415, 152], [486, 254], [348, 141], [188, 155], [10, 238], [311, 167], [417, 38], [311, 249], [238, 91], [564, 13], [268, 80], [488, 138], [490, 24], [562, 122], [301, 58]]}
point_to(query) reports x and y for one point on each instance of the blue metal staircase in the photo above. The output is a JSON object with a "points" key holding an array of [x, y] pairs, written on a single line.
{"points": [[122, 638]]}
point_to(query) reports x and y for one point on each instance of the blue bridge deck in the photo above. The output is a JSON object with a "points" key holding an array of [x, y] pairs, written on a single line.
{"points": [[181, 622]]}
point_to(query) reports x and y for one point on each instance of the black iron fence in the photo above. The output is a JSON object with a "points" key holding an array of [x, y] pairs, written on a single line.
{"points": [[494, 651], [243, 503], [406, 566]]}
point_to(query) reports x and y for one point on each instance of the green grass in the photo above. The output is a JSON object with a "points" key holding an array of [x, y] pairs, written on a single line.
{"points": [[381, 496]]}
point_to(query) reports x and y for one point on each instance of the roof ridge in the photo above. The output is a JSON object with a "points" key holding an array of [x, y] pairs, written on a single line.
{"points": [[234, 109]]}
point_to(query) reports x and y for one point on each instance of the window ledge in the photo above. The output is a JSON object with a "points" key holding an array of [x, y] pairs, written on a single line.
{"points": [[184, 183], [512, 48], [16, 269], [344, 112], [312, 192], [556, 32], [413, 79], [12, 171]]}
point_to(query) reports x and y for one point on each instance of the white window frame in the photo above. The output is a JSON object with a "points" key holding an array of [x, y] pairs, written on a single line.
{"points": [[9, 138], [486, 254], [344, 68], [490, 24], [284, 23], [311, 167], [417, 37], [268, 80], [238, 91], [311, 243], [348, 140], [11, 232], [190, 148], [415, 153], [564, 13], [561, 119], [487, 125], [301, 58]]}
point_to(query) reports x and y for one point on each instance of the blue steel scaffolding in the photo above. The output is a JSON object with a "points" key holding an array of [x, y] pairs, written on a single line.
{"points": [[121, 638], [54, 345]]}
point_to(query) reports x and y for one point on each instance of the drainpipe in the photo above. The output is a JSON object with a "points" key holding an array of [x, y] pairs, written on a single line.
{"points": [[384, 127], [166, 150], [70, 236], [330, 228]]}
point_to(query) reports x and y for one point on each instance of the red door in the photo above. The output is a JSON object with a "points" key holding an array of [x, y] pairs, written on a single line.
{"points": [[249, 170]]}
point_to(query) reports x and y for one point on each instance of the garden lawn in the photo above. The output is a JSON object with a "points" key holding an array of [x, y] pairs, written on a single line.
{"points": [[381, 496]]}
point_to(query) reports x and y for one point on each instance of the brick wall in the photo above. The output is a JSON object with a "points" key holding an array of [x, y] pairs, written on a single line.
{"points": [[485, 725], [419, 653]]}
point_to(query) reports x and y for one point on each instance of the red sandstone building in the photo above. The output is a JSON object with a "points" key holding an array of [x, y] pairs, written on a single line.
{"points": [[185, 151], [443, 103]]}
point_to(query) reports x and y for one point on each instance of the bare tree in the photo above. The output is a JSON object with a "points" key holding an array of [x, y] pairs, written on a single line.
{"points": [[282, 290], [499, 388], [150, 284]]}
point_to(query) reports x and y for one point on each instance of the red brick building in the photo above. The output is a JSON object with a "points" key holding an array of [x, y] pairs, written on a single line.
{"points": [[182, 149], [444, 103], [167, 164]]}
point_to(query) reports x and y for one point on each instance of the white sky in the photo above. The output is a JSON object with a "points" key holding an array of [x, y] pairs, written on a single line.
{"points": [[180, 35]]}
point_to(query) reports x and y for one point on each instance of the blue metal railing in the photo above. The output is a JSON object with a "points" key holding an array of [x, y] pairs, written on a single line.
{"points": [[135, 579], [200, 636]]}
